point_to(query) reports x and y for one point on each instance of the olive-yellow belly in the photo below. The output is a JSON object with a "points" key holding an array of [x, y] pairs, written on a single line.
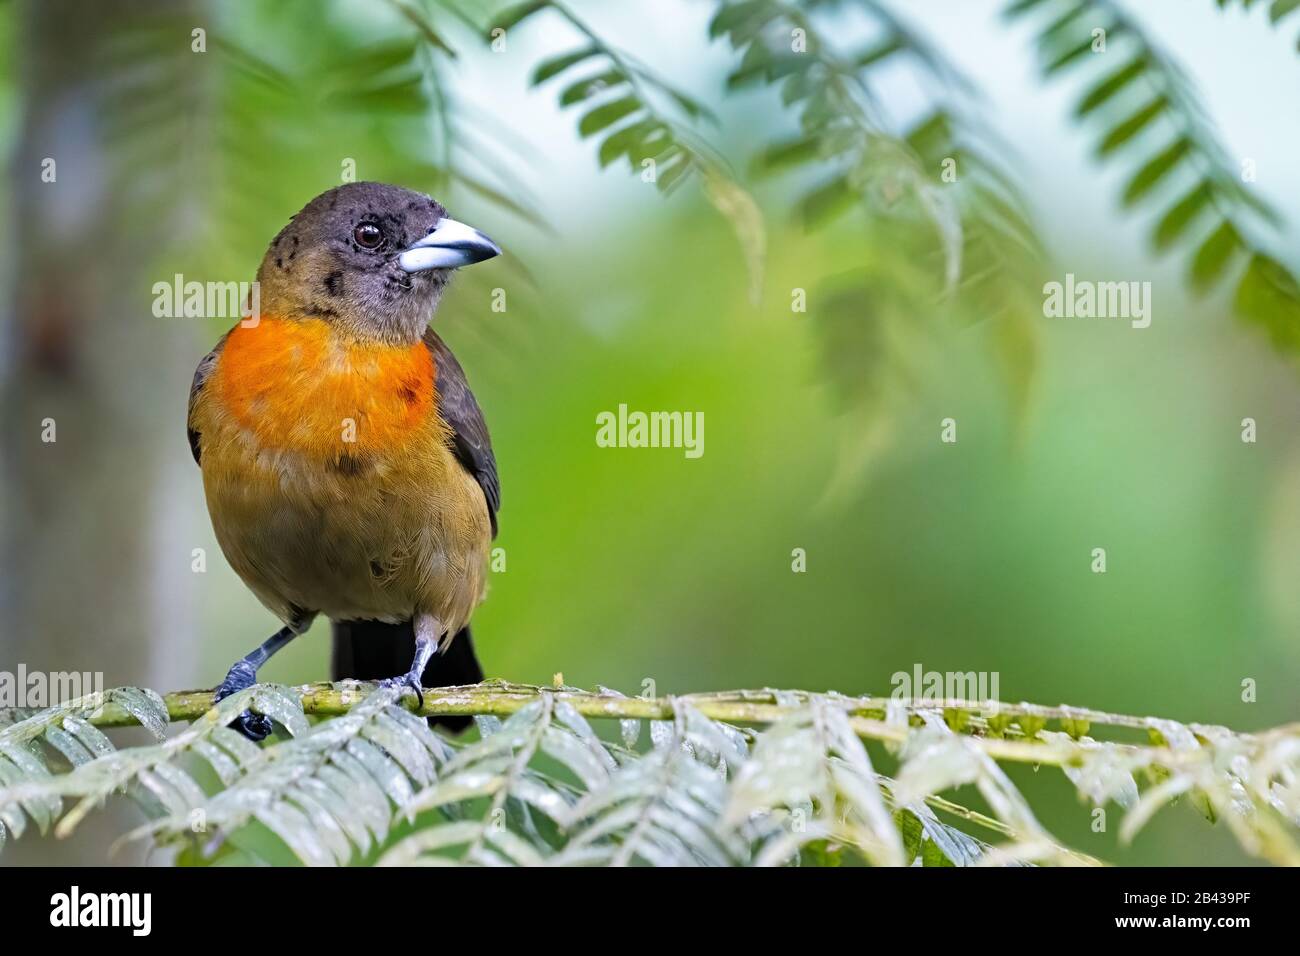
{"points": [[330, 482]]}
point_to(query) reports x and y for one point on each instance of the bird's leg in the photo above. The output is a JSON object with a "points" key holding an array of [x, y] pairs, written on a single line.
{"points": [[243, 674], [427, 631]]}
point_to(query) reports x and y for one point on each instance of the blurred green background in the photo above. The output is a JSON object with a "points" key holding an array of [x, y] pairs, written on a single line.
{"points": [[630, 565]]}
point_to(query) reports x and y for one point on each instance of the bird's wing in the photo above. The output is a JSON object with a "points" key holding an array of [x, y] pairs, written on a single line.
{"points": [[206, 365], [471, 443]]}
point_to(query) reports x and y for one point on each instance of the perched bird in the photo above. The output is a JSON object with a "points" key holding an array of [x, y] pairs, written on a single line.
{"points": [[347, 467]]}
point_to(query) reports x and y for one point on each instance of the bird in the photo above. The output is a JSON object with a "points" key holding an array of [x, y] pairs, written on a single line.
{"points": [[347, 468]]}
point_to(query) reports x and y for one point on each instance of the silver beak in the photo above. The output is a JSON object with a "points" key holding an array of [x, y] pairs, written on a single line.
{"points": [[451, 244]]}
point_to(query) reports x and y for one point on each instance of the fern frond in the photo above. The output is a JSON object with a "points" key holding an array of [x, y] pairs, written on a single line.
{"points": [[1145, 110], [640, 118], [941, 223], [622, 101], [665, 808], [542, 788], [935, 758], [151, 776], [813, 766], [330, 791], [497, 768], [31, 790]]}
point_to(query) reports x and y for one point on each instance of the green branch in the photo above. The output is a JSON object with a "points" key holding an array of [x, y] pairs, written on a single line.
{"points": [[1004, 731], [762, 776]]}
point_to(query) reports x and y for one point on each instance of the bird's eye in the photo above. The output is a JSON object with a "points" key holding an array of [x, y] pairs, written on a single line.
{"points": [[368, 235]]}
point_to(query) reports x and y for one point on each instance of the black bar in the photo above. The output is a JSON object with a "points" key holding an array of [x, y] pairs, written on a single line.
{"points": [[429, 905]]}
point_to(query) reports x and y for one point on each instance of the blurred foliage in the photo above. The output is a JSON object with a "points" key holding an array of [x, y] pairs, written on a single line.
{"points": [[943, 232], [621, 99], [621, 90], [1277, 9], [286, 94], [942, 235], [1149, 115]]}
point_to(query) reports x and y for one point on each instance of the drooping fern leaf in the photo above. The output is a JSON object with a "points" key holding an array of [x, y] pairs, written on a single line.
{"points": [[641, 118], [1145, 110], [941, 226], [620, 100]]}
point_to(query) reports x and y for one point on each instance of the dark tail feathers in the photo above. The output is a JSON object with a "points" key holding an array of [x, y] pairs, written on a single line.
{"points": [[373, 650]]}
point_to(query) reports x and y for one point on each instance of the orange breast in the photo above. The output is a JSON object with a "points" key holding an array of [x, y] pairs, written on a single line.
{"points": [[297, 385]]}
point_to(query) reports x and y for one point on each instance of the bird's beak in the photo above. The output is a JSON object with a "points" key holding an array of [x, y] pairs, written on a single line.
{"points": [[451, 244]]}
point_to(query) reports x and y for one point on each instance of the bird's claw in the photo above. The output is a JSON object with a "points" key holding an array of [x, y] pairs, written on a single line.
{"points": [[256, 727], [408, 681]]}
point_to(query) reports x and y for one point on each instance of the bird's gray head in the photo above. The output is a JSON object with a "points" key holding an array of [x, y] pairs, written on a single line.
{"points": [[372, 259]]}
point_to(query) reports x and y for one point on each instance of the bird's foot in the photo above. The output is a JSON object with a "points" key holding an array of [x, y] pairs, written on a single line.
{"points": [[411, 680], [256, 727]]}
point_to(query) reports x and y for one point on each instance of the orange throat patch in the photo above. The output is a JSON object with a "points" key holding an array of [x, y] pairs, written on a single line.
{"points": [[295, 384]]}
